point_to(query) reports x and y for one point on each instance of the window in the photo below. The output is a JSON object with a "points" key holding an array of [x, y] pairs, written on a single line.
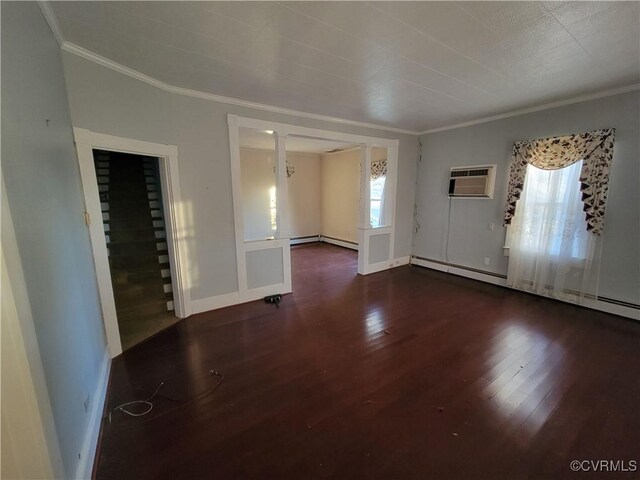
{"points": [[550, 219], [377, 201], [551, 252]]}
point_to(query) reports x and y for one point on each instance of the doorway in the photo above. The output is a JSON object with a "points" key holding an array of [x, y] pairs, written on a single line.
{"points": [[264, 260], [323, 195], [135, 236], [141, 291]]}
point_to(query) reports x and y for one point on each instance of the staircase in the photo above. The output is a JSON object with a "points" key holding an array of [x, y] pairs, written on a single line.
{"points": [[133, 220]]}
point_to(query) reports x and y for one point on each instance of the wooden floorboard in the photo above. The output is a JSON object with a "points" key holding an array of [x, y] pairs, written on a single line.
{"points": [[408, 373]]}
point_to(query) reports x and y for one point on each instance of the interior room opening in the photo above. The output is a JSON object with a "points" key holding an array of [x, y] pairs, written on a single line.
{"points": [[324, 195], [133, 217]]}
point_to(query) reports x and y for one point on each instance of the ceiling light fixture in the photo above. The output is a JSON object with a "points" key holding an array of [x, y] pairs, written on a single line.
{"points": [[290, 170]]}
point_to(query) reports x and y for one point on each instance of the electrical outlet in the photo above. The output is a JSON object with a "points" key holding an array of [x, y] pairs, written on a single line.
{"points": [[86, 404], [487, 260]]}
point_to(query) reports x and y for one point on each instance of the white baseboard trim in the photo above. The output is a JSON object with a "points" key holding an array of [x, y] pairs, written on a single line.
{"points": [[427, 264], [376, 267], [483, 277], [300, 240], [600, 305], [84, 467], [340, 243], [398, 262], [236, 298], [628, 312]]}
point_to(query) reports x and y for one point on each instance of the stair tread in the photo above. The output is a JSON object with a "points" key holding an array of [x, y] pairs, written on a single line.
{"points": [[151, 289], [132, 304], [155, 253], [143, 309], [128, 230], [149, 268], [132, 277], [134, 258]]}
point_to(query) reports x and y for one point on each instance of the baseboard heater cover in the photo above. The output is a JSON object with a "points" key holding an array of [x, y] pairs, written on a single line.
{"points": [[446, 266], [305, 239], [338, 241]]}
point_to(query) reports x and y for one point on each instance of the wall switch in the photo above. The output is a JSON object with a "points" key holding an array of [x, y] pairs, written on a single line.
{"points": [[487, 260], [492, 226]]}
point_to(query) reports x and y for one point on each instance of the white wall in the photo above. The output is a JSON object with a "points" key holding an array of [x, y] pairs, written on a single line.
{"points": [[470, 239], [303, 188], [341, 195], [305, 194], [106, 101], [30, 447], [40, 171]]}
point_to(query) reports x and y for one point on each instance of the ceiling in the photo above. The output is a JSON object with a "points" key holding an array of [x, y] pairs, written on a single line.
{"points": [[409, 65], [250, 138]]}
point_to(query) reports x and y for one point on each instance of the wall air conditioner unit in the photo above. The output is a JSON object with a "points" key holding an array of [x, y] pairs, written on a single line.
{"points": [[472, 182]]}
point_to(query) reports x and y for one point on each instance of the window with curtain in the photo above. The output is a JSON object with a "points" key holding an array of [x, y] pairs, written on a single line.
{"points": [[549, 219], [554, 215], [377, 192], [377, 200], [548, 239]]}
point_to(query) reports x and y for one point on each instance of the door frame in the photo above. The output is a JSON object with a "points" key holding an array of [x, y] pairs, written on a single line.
{"points": [[86, 142], [282, 238]]}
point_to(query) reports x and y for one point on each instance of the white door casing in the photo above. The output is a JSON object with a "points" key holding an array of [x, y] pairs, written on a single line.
{"points": [[86, 141], [370, 260]]}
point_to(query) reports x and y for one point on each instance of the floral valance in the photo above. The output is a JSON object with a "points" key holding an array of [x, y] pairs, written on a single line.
{"points": [[378, 169], [595, 149]]}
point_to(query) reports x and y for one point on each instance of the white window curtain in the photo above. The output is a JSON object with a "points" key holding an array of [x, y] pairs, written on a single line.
{"points": [[556, 202], [550, 250], [378, 190]]}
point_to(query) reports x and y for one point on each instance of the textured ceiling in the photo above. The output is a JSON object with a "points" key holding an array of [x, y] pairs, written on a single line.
{"points": [[263, 140], [411, 65]]}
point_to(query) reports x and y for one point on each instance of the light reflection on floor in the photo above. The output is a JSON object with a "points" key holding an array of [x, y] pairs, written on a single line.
{"points": [[520, 380], [375, 322]]}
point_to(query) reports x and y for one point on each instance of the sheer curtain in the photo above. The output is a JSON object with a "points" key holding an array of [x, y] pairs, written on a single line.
{"points": [[550, 250], [378, 192]]}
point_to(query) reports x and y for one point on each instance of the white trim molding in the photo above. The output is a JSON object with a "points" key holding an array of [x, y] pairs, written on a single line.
{"points": [[280, 132], [89, 447], [339, 243], [52, 21], [401, 261], [501, 281], [539, 108], [305, 239], [86, 141], [235, 298], [105, 62]]}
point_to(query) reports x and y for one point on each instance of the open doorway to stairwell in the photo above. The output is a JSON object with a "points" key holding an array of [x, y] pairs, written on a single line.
{"points": [[133, 217]]}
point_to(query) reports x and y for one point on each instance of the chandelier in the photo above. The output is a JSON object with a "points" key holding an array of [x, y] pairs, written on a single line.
{"points": [[290, 170]]}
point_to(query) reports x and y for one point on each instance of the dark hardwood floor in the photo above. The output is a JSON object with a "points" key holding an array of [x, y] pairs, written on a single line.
{"points": [[408, 373]]}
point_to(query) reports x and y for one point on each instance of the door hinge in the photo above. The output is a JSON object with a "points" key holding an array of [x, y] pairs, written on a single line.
{"points": [[87, 219]]}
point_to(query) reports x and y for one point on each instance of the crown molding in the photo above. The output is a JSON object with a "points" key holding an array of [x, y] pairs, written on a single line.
{"points": [[539, 108], [105, 62], [52, 21], [69, 47]]}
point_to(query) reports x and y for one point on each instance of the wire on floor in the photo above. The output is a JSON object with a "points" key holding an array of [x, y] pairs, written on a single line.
{"points": [[147, 403], [126, 407]]}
